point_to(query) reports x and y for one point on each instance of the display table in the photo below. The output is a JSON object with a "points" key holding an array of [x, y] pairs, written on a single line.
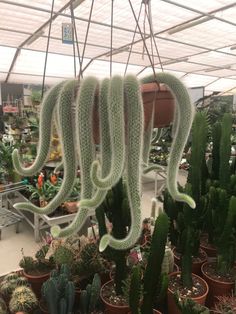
{"points": [[36, 221]]}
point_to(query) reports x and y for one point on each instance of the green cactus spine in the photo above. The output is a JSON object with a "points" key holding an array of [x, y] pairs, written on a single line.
{"points": [[59, 292], [89, 298], [216, 136], [197, 159], [225, 150], [23, 300], [152, 277]]}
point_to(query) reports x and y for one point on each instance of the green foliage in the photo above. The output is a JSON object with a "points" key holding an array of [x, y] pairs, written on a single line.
{"points": [[7, 171], [216, 136], [132, 289], [116, 209], [59, 292], [197, 160], [225, 150], [63, 254], [23, 300], [10, 282], [3, 307], [154, 281], [90, 261], [39, 263], [226, 244], [89, 298], [188, 306]]}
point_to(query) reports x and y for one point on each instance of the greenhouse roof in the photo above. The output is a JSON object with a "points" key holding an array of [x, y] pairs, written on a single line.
{"points": [[195, 40]]}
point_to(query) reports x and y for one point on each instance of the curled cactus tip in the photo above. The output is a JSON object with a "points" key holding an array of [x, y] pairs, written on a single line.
{"points": [[186, 199], [105, 240], [55, 231]]}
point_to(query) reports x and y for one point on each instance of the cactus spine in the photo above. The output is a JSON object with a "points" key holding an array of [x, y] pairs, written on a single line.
{"points": [[59, 292], [90, 297], [225, 150], [154, 282], [23, 300]]}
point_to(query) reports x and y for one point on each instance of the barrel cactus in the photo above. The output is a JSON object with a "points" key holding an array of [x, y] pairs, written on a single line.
{"points": [[23, 300]]}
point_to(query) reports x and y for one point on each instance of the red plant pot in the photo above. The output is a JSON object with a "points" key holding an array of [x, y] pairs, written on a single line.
{"points": [[36, 282], [172, 306], [110, 308], [196, 265], [216, 287]]}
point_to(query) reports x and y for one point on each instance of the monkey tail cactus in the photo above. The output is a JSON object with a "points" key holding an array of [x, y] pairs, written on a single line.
{"points": [[46, 115], [225, 150], [134, 155], [184, 122], [153, 279], [69, 156]]}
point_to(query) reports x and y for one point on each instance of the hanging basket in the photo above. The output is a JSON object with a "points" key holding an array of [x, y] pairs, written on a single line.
{"points": [[164, 104], [164, 107]]}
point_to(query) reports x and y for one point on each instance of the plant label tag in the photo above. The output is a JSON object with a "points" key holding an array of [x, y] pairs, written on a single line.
{"points": [[67, 33]]}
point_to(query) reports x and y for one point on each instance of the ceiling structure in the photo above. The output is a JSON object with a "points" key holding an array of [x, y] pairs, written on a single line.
{"points": [[195, 40]]}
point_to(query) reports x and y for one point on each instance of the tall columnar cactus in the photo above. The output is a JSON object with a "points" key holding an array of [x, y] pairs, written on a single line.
{"points": [[89, 298], [225, 150], [155, 284], [124, 137], [216, 136], [197, 159], [59, 292]]}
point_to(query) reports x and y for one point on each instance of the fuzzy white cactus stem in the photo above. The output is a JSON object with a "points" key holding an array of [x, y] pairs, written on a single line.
{"points": [[45, 126], [117, 136], [184, 118], [86, 148], [65, 116], [135, 121]]}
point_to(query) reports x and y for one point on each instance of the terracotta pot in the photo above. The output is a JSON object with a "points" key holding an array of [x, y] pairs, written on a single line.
{"points": [[196, 266], [164, 107], [216, 287], [172, 307], [36, 282], [154, 312], [113, 309], [209, 249]]}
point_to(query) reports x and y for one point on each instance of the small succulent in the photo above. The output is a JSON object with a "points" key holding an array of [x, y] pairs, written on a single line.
{"points": [[23, 300], [188, 306], [63, 254], [3, 307], [10, 282], [226, 305]]}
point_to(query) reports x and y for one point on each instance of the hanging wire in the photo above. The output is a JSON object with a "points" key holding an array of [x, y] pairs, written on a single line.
{"points": [[143, 39], [144, 29], [132, 43], [86, 38], [76, 39], [150, 26], [111, 43], [46, 56], [149, 16]]}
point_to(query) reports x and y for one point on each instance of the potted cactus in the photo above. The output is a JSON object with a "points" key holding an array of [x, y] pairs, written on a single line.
{"points": [[23, 300], [58, 292], [225, 304], [9, 283], [3, 307], [89, 298], [188, 306], [37, 270]]}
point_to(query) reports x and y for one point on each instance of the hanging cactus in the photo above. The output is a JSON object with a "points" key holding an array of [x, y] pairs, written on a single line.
{"points": [[121, 147]]}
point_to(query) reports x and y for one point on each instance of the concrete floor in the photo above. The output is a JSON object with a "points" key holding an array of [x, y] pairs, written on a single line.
{"points": [[12, 243]]}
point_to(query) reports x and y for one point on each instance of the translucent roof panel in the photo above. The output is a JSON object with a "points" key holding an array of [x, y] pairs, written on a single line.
{"points": [[190, 52], [222, 85]]}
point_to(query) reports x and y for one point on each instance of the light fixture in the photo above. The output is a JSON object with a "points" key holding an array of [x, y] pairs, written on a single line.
{"points": [[76, 3], [174, 61], [233, 47], [118, 50], [189, 25], [34, 37], [227, 67]]}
